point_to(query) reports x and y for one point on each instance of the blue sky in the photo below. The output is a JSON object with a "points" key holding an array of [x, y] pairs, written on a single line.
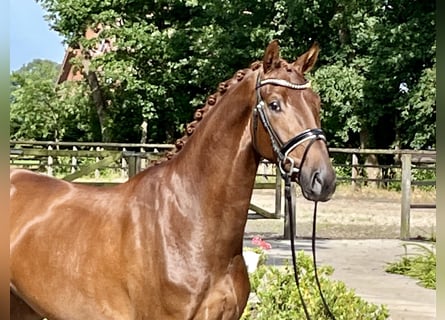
{"points": [[30, 36]]}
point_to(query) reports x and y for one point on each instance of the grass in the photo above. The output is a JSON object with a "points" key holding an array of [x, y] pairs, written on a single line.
{"points": [[420, 265]]}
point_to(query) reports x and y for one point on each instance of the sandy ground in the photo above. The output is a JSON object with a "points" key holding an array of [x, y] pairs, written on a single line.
{"points": [[364, 214]]}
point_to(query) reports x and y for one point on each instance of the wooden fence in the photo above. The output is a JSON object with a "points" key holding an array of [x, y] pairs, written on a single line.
{"points": [[76, 160], [409, 160]]}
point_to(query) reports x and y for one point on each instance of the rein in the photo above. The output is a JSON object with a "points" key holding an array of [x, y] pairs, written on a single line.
{"points": [[291, 215], [282, 151]]}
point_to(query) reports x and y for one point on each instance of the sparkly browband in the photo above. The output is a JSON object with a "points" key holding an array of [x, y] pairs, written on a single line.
{"points": [[284, 83]]}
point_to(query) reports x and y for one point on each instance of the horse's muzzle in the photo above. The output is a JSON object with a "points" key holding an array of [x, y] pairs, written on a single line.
{"points": [[318, 185]]}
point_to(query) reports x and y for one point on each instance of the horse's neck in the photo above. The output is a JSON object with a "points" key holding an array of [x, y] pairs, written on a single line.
{"points": [[220, 151], [217, 166]]}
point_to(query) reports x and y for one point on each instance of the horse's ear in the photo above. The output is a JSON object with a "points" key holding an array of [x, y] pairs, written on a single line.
{"points": [[271, 57], [306, 61]]}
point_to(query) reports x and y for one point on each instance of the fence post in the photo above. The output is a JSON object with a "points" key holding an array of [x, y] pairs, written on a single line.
{"points": [[49, 170], [286, 210], [143, 161], [354, 171], [132, 170], [406, 197], [124, 165], [73, 161], [97, 172]]}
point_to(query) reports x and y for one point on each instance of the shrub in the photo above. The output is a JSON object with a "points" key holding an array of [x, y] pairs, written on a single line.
{"points": [[278, 296]]}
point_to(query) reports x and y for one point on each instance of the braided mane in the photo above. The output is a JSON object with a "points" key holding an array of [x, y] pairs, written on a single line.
{"points": [[210, 103]]}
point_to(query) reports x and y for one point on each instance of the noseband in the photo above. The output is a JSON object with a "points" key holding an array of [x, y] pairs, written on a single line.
{"points": [[283, 149]]}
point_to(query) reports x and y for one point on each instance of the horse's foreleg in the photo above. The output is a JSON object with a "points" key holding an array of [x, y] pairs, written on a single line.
{"points": [[19, 310], [241, 285], [228, 297]]}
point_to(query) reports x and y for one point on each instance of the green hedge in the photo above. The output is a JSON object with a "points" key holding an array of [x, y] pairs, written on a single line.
{"points": [[277, 295]]}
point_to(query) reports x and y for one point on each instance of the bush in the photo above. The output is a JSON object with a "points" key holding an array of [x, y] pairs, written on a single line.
{"points": [[421, 266], [278, 296], [425, 174]]}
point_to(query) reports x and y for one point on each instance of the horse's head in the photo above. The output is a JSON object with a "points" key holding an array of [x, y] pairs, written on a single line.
{"points": [[286, 123]]}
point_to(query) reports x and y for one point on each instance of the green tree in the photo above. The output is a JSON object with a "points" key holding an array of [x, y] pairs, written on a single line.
{"points": [[170, 54], [34, 111], [40, 110], [379, 46], [417, 116]]}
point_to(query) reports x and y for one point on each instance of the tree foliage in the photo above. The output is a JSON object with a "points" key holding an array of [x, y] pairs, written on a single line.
{"points": [[170, 54], [33, 101], [41, 110]]}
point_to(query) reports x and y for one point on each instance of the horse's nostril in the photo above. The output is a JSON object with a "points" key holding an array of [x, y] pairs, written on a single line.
{"points": [[317, 183]]}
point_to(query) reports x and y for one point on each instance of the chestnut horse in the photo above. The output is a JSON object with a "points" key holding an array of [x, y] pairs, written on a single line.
{"points": [[167, 244]]}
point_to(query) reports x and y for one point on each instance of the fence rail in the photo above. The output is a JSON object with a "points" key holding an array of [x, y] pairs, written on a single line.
{"points": [[129, 158]]}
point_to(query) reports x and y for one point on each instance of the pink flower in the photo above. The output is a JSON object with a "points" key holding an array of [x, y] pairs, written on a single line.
{"points": [[261, 243]]}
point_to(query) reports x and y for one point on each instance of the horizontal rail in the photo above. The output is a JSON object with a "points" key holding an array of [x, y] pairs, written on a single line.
{"points": [[171, 146], [423, 206], [383, 151], [63, 153], [94, 144]]}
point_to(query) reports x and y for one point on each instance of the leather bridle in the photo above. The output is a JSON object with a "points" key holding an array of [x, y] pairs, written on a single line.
{"points": [[282, 151], [281, 148]]}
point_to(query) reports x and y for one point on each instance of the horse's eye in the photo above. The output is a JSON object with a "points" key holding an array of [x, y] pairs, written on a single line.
{"points": [[275, 106]]}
